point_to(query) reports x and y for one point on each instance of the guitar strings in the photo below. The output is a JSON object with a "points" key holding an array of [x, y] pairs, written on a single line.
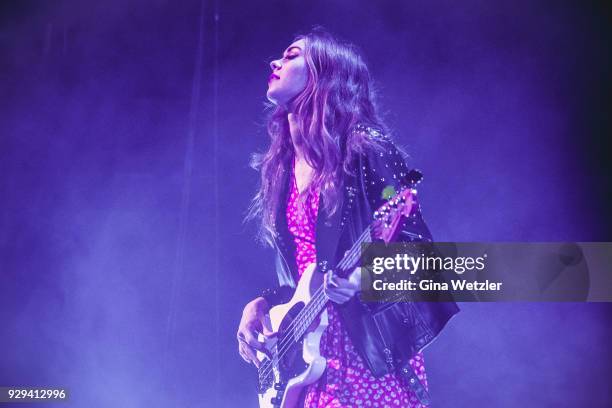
{"points": [[290, 338], [301, 320], [343, 264], [312, 309], [316, 301]]}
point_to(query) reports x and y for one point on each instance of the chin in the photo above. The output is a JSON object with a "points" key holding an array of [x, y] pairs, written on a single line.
{"points": [[273, 98]]}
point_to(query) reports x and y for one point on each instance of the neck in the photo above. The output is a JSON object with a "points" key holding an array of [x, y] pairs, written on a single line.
{"points": [[296, 136]]}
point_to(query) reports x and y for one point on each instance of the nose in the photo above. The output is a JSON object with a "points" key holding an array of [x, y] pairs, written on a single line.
{"points": [[274, 65]]}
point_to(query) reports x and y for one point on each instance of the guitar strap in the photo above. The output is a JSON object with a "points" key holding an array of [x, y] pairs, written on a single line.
{"points": [[408, 375]]}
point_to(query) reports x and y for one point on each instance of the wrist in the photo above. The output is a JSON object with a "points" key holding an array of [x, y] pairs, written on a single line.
{"points": [[261, 303]]}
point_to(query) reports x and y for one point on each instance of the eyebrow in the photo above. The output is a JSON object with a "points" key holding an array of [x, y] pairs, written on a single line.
{"points": [[290, 48]]}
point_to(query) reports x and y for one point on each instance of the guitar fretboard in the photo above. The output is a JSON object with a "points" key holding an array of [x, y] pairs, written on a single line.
{"points": [[309, 313]]}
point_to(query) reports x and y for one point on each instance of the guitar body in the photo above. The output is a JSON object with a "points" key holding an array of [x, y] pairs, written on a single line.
{"points": [[293, 365]]}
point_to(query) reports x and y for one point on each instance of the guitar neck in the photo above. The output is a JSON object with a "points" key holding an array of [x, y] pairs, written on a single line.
{"points": [[319, 300]]}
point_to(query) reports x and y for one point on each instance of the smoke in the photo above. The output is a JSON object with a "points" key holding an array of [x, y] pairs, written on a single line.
{"points": [[95, 114]]}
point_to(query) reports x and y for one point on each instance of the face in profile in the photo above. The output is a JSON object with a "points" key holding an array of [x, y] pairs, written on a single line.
{"points": [[289, 74]]}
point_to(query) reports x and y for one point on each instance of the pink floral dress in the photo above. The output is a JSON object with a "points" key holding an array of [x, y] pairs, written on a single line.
{"points": [[346, 382]]}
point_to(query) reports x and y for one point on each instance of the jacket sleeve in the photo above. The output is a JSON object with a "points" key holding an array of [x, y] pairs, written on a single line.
{"points": [[382, 172], [276, 296], [284, 290]]}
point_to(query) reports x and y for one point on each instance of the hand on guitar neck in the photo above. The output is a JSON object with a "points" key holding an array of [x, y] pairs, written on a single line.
{"points": [[340, 290]]}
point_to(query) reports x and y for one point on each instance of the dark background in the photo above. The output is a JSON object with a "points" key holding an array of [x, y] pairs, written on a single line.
{"points": [[126, 130]]}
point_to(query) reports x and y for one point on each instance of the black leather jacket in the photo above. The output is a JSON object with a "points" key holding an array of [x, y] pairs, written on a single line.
{"points": [[386, 335]]}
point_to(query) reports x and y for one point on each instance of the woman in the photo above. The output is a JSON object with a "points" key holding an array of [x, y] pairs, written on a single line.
{"points": [[322, 177]]}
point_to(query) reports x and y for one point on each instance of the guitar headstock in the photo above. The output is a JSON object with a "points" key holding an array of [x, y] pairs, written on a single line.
{"points": [[389, 217]]}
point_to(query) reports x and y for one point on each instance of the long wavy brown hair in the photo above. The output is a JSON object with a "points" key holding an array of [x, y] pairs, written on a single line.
{"points": [[338, 95]]}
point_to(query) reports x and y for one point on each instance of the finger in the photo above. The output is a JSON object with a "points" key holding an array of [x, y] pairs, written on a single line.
{"points": [[340, 295], [251, 354], [342, 283], [344, 287], [253, 344], [266, 325], [353, 285], [343, 292], [326, 283], [339, 298], [243, 354], [271, 335], [329, 287], [332, 279], [257, 345], [355, 278], [250, 338]]}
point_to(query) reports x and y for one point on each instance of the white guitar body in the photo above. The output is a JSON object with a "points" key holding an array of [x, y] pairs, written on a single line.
{"points": [[309, 282]]}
